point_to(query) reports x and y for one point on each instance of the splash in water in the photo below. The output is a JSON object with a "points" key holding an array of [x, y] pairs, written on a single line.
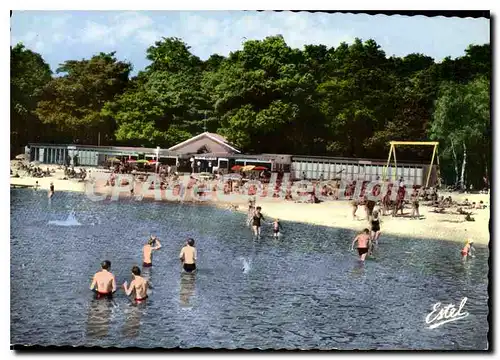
{"points": [[70, 221], [246, 265]]}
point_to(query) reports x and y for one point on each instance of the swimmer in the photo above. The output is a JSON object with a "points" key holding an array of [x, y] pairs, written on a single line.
{"points": [[105, 282], [362, 240], [139, 284], [276, 228], [147, 251], [36, 186], [256, 219], [188, 256], [51, 189]]}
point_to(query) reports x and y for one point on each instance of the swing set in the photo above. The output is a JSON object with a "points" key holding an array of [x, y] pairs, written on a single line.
{"points": [[392, 154]]}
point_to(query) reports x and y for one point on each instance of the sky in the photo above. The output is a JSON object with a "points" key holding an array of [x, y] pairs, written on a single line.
{"points": [[72, 35]]}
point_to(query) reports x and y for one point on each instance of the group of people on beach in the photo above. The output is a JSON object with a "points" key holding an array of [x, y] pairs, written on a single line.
{"points": [[104, 282]]}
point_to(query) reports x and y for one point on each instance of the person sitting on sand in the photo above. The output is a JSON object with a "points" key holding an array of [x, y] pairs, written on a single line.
{"points": [[139, 285], [147, 251], [362, 240], [480, 205], [188, 256], [105, 282], [469, 218]]}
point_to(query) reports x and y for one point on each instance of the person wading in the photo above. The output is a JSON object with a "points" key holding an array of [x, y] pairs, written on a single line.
{"points": [[147, 251], [104, 283]]}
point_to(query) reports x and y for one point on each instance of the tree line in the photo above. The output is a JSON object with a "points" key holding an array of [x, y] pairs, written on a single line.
{"points": [[346, 101]]}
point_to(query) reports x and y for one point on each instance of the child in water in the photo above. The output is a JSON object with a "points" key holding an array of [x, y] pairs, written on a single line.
{"points": [[276, 228], [468, 249]]}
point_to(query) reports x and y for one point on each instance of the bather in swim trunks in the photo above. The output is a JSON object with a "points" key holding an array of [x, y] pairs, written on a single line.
{"points": [[362, 251], [189, 267], [147, 264], [99, 295], [141, 300]]}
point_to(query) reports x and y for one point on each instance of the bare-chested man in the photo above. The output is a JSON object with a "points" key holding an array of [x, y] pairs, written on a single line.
{"points": [[139, 285], [362, 240], [188, 256], [105, 282], [147, 251]]}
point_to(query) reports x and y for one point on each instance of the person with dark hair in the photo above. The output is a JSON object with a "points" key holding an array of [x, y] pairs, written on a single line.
{"points": [[147, 251], [138, 284], [256, 219], [188, 256], [362, 240], [104, 283]]}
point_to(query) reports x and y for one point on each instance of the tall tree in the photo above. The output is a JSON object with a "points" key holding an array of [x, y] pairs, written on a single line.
{"points": [[73, 101], [462, 125], [29, 73]]}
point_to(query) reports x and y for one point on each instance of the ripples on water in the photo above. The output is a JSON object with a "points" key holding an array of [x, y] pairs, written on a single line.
{"points": [[304, 290]]}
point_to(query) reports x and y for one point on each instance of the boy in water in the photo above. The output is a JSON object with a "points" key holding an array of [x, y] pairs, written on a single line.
{"points": [[362, 240], [276, 228], [188, 256], [138, 284], [147, 251], [105, 282]]}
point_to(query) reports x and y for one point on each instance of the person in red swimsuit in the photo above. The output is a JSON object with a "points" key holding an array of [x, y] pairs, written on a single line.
{"points": [[104, 283], [139, 285]]}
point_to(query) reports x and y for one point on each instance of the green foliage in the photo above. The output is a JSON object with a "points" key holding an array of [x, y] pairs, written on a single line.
{"points": [[73, 102], [28, 75], [268, 97]]}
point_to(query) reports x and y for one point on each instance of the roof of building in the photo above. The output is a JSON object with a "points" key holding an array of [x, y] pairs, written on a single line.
{"points": [[215, 137]]}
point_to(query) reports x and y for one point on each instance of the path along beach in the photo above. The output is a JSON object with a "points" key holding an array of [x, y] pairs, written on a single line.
{"points": [[448, 226]]}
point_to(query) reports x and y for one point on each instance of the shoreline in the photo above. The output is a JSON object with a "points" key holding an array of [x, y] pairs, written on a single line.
{"points": [[334, 213]]}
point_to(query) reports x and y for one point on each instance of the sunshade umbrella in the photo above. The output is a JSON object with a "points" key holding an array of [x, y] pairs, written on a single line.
{"points": [[131, 161], [152, 161], [142, 161], [247, 168], [22, 157], [259, 168], [236, 167], [113, 159]]}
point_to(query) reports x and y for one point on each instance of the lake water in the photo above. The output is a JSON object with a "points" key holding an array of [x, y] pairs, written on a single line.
{"points": [[303, 291]]}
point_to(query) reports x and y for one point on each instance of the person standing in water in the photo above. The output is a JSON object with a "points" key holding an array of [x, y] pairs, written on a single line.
{"points": [[468, 249], [362, 240], [147, 251], [51, 189], [188, 256], [104, 283], [276, 228], [256, 221], [138, 284]]}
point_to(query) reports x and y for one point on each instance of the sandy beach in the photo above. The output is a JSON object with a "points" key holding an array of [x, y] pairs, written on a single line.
{"points": [[337, 214]]}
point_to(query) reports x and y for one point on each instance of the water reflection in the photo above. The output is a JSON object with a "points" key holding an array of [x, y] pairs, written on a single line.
{"points": [[99, 317], [187, 289], [132, 324]]}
